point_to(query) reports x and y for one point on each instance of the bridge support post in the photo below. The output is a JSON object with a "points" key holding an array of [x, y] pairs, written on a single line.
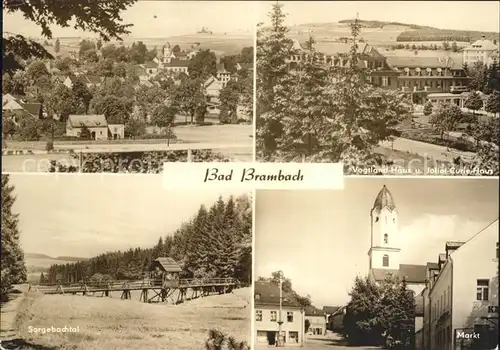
{"points": [[144, 295]]}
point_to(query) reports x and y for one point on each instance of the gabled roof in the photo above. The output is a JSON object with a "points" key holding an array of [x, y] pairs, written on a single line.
{"points": [[32, 108], [312, 311], [150, 64], [422, 62], [88, 120], [267, 293], [330, 309], [175, 62], [168, 264], [410, 273], [482, 44], [11, 105], [210, 81]]}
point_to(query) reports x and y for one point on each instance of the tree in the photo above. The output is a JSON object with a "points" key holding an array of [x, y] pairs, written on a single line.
{"points": [[82, 95], [447, 117], [478, 74], [98, 44], [203, 65], [36, 70], [190, 98], [219, 341], [135, 127], [147, 98], [493, 78], [13, 269], [57, 46], [85, 133], [473, 102], [105, 68], [7, 84], [274, 48], [176, 49], [493, 102], [229, 98], [454, 46], [138, 52], [116, 109], [446, 45], [163, 116], [61, 102], [428, 108], [42, 279]]}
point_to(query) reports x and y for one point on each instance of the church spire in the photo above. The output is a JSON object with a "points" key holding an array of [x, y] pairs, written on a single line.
{"points": [[384, 200]]}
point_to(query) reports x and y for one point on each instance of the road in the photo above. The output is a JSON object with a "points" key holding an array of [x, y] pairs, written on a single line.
{"points": [[331, 341], [426, 149]]}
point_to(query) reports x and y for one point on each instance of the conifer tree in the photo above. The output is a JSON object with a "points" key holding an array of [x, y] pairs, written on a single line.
{"points": [[13, 270]]}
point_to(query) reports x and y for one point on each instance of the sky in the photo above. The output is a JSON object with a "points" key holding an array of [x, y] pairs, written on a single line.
{"points": [[172, 18], [320, 239], [85, 215], [464, 15]]}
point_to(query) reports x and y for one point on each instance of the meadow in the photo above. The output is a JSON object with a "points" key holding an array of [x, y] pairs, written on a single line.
{"points": [[129, 324]]}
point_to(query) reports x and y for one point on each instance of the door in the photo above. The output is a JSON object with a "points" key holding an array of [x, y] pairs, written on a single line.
{"points": [[93, 135], [271, 338]]}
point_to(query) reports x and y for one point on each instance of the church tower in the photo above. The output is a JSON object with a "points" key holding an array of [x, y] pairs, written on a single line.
{"points": [[384, 251]]}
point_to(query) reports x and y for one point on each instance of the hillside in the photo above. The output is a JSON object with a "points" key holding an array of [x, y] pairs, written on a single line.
{"points": [[385, 33], [127, 324], [37, 263]]}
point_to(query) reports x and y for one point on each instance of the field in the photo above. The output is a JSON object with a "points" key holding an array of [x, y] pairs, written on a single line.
{"points": [[129, 324], [37, 263], [220, 43]]}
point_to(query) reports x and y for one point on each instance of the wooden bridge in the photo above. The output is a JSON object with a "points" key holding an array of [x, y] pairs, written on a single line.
{"points": [[151, 291]]}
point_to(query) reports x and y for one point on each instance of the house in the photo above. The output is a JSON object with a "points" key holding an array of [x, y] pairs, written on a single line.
{"points": [[483, 50], [270, 318], [95, 123], [384, 253], [223, 75], [212, 87], [317, 320], [458, 99], [89, 80], [116, 131], [16, 107], [165, 270], [461, 294], [244, 66], [419, 76], [336, 319], [175, 65], [151, 68]]}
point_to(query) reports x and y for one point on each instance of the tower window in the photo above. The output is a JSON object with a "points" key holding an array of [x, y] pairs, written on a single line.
{"points": [[394, 220], [385, 261], [376, 219], [386, 238]]}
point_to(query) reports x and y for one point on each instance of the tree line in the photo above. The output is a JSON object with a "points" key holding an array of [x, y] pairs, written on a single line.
{"points": [[215, 243], [286, 285]]}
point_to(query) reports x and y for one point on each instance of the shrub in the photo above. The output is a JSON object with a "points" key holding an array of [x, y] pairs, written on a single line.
{"points": [[49, 145], [219, 341]]}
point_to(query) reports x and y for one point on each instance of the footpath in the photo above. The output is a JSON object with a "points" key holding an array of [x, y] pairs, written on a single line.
{"points": [[9, 312]]}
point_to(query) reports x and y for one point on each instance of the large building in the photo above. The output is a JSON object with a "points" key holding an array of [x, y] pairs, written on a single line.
{"points": [[384, 253], [483, 50], [316, 319], [416, 76], [270, 318], [461, 295]]}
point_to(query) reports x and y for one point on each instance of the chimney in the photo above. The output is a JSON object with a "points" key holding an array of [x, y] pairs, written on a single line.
{"points": [[483, 37]]}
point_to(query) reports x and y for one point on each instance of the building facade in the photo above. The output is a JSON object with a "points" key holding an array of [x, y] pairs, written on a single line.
{"points": [[270, 319], [461, 295], [483, 51], [95, 123], [317, 321]]}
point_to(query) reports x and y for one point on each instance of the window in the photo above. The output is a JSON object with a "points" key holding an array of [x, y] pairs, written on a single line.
{"points": [[385, 81], [258, 315], [274, 316], [376, 219], [385, 261], [289, 316], [115, 129], [482, 290], [498, 253], [294, 336], [386, 238]]}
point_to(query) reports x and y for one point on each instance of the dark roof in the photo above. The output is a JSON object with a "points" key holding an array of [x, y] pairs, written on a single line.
{"points": [[168, 264], [150, 64], [312, 311], [32, 108], [384, 200], [176, 63], [330, 309], [411, 273], [432, 266], [422, 62], [267, 293], [88, 120]]}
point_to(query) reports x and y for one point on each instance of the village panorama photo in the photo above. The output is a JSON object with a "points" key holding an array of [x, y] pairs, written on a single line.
{"points": [[387, 88], [126, 88], [88, 264]]}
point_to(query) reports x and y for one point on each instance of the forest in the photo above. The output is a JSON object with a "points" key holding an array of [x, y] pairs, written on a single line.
{"points": [[216, 242]]}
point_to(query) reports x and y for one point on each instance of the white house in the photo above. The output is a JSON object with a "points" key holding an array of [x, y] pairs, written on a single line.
{"points": [[95, 123], [482, 50], [212, 87], [268, 315], [462, 306]]}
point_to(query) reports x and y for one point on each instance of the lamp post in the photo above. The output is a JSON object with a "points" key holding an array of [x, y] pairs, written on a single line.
{"points": [[280, 319]]}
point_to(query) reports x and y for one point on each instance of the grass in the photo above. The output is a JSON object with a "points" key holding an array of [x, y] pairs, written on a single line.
{"points": [[128, 324]]}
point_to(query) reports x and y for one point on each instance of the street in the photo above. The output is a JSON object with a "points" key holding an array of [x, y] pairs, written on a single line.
{"points": [[330, 341]]}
